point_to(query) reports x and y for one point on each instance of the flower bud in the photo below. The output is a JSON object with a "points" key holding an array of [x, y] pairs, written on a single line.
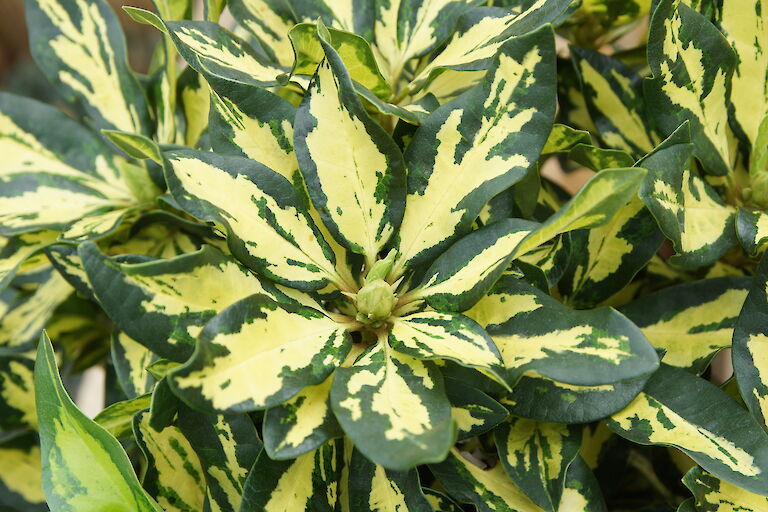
{"points": [[375, 302]]}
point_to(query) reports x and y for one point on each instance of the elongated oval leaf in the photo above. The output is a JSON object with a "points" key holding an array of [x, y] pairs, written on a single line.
{"points": [[84, 467], [258, 353], [80, 47], [393, 407], [268, 227], [369, 163], [462, 155], [729, 444], [20, 473], [711, 493]]}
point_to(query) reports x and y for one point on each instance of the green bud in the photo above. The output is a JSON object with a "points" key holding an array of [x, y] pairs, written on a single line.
{"points": [[381, 268], [375, 302]]}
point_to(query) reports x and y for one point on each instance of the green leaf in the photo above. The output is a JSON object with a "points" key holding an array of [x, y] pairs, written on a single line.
{"points": [[80, 48], [372, 488], [56, 172], [145, 17], [614, 98], [598, 159], [691, 321], [473, 411], [194, 98], [228, 372], [307, 483], [462, 155], [440, 502], [536, 333], [729, 444], [563, 138], [606, 258], [393, 407], [431, 335], [692, 64], [490, 490], [355, 16], [20, 473], [301, 424], [717, 495], [369, 165], [174, 476], [17, 393], [164, 304], [536, 456], [84, 467], [267, 224], [212, 50], [750, 337], [687, 209], [354, 51], [117, 419]]}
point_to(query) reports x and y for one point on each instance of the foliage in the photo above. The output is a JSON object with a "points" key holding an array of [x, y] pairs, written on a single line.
{"points": [[326, 267]]}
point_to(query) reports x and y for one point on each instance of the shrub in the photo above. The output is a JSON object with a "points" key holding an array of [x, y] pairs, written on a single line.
{"points": [[326, 269]]}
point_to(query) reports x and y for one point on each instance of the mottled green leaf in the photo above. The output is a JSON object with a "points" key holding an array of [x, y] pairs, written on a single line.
{"points": [[473, 411], [20, 473], [131, 359], [715, 495], [117, 419], [17, 393]]}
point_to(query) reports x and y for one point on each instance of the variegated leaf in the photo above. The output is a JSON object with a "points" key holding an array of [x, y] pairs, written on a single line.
{"points": [[490, 490], [29, 312], [194, 99], [307, 483], [750, 339], [174, 476], [535, 332], [267, 224], [130, 360], [481, 33], [598, 159], [687, 209], [715, 495], [117, 419], [440, 502], [84, 467], [536, 457], [407, 29], [17, 393], [692, 66], [744, 26], [612, 13], [370, 163], [462, 155], [729, 444], [691, 322], [56, 171], [469, 268], [752, 230], [20, 473], [164, 304], [606, 258], [23, 251], [473, 411], [614, 97], [582, 490], [301, 424], [80, 47], [354, 16], [372, 488], [212, 50], [295, 347], [393, 407], [594, 205], [432, 335], [269, 21], [227, 446], [353, 50]]}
